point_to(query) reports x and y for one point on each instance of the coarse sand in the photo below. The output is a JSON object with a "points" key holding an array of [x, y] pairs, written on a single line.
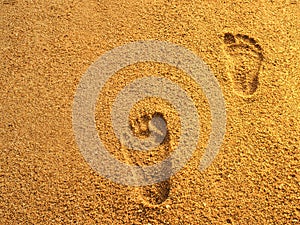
{"points": [[252, 48]]}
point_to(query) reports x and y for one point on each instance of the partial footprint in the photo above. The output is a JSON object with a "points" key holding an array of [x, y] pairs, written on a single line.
{"points": [[244, 63], [155, 194]]}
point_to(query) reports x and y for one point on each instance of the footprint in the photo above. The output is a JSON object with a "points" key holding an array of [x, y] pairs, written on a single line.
{"points": [[244, 63], [155, 194]]}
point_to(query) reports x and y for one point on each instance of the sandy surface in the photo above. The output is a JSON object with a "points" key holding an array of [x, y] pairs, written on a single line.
{"points": [[251, 47]]}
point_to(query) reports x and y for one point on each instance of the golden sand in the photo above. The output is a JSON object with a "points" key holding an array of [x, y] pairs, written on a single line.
{"points": [[253, 49]]}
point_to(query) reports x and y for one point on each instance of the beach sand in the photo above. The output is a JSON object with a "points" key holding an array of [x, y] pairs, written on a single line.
{"points": [[252, 48]]}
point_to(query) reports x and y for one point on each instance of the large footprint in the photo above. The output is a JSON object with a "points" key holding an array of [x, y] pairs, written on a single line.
{"points": [[244, 62], [155, 194]]}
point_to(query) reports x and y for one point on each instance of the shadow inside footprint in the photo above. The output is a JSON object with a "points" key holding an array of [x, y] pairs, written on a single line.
{"points": [[244, 62]]}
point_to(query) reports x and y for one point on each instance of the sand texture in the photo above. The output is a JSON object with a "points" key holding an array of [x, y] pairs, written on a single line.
{"points": [[252, 48]]}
